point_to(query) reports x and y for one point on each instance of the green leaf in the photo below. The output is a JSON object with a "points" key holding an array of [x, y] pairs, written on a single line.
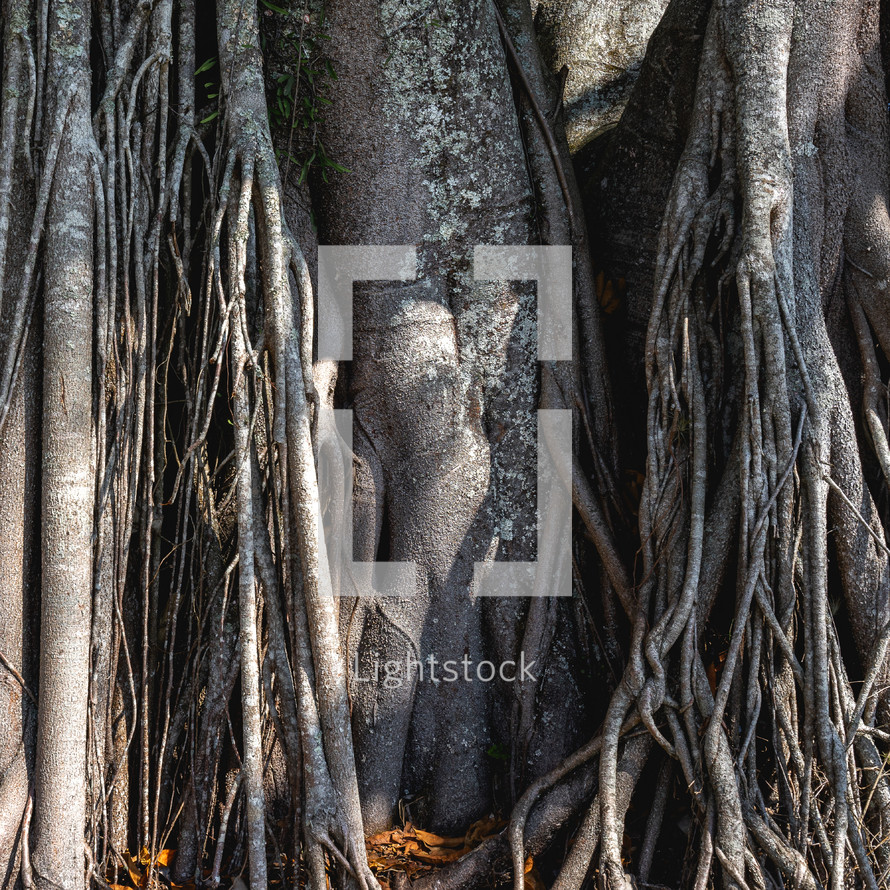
{"points": [[305, 169], [498, 752], [206, 66], [274, 8], [210, 117]]}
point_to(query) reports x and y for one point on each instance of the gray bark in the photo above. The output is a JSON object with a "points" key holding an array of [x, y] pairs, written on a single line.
{"points": [[19, 479], [602, 44], [19, 524], [447, 148], [738, 209], [68, 477]]}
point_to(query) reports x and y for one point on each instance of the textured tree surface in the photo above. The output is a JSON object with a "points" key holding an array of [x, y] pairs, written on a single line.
{"points": [[194, 687]]}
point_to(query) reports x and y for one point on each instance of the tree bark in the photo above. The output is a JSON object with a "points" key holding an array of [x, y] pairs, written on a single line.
{"points": [[68, 478]]}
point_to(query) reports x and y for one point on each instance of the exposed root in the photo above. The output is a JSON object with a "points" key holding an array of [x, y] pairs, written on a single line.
{"points": [[738, 145]]}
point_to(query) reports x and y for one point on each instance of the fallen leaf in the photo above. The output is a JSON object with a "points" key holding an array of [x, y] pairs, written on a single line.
{"points": [[438, 855], [483, 829], [416, 851], [533, 881], [713, 670], [133, 867], [436, 840]]}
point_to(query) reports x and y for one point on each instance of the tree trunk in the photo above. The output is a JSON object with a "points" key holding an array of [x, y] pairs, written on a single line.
{"points": [[67, 476], [164, 188], [601, 46], [19, 484]]}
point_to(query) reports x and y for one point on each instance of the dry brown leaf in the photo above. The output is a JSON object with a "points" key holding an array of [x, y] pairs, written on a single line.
{"points": [[533, 881], [384, 863], [436, 840], [133, 867], [483, 829], [416, 851], [438, 855], [378, 840]]}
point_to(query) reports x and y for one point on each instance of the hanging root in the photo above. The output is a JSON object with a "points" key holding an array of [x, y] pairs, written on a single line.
{"points": [[197, 298], [193, 295], [333, 816], [804, 824]]}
